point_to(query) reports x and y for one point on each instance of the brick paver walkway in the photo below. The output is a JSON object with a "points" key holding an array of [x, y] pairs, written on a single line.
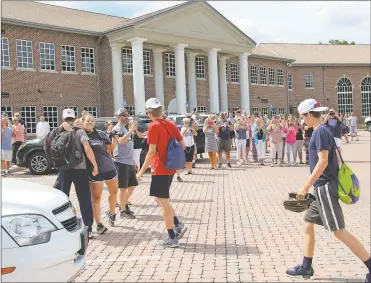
{"points": [[237, 229]]}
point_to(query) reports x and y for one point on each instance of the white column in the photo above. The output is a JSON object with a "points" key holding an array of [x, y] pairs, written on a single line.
{"points": [[117, 77], [159, 74], [180, 78], [244, 83], [223, 83], [213, 80], [192, 88], [138, 75]]}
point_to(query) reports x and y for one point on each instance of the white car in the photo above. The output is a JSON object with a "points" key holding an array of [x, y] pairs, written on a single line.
{"points": [[42, 237], [368, 123]]}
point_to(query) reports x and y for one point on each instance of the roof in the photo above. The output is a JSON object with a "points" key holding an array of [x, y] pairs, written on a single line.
{"points": [[265, 53], [320, 54], [56, 16]]}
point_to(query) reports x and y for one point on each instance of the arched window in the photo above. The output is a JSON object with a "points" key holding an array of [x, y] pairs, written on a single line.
{"points": [[366, 96], [345, 96]]}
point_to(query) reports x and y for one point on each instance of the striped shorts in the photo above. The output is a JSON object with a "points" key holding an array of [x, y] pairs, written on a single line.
{"points": [[326, 210]]}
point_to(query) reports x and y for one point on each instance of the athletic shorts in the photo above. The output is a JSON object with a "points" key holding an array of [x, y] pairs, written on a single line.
{"points": [[127, 175], [102, 177], [6, 155], [224, 145], [353, 129], [160, 186], [189, 153], [338, 142], [326, 210]]}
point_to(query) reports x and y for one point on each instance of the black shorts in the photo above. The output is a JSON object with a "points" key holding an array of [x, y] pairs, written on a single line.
{"points": [[106, 176], [248, 143], [232, 134], [160, 186], [127, 175], [189, 153]]}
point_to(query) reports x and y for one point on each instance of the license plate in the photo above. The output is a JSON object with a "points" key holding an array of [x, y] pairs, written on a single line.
{"points": [[84, 236]]}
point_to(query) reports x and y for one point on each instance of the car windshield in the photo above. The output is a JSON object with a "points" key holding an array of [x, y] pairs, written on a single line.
{"points": [[179, 121]]}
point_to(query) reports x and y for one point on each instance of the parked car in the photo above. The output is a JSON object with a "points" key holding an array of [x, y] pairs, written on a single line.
{"points": [[43, 240], [368, 123]]}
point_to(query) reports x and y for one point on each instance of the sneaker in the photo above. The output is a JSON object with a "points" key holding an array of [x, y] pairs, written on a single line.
{"points": [[111, 218], [169, 243], [295, 164], [272, 165], [229, 165], [193, 165], [101, 229], [368, 278], [118, 206], [91, 235], [178, 229], [179, 179], [125, 214], [300, 271], [244, 162], [219, 166], [127, 209]]}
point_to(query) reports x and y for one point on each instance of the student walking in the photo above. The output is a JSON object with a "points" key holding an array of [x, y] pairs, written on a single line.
{"points": [[211, 146], [325, 210], [353, 122]]}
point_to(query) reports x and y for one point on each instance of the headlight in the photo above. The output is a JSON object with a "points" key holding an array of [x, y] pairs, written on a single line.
{"points": [[28, 229]]}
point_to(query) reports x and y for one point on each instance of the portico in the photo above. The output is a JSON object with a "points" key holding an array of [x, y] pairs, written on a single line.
{"points": [[196, 29]]}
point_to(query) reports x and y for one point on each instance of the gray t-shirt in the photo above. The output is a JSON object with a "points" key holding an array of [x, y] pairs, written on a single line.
{"points": [[123, 153], [80, 137], [241, 132]]}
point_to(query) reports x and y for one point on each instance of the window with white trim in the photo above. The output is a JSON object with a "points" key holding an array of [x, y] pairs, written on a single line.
{"points": [[289, 81], [280, 77], [93, 110], [47, 56], [234, 73], [272, 79], [28, 114], [74, 108], [127, 60], [5, 58], [51, 116], [366, 97], [170, 64], [345, 96], [281, 110], [87, 60], [226, 73], [68, 58], [24, 54], [200, 67], [255, 110], [253, 74], [309, 81], [264, 111], [130, 108], [7, 110], [263, 76], [146, 62], [201, 109]]}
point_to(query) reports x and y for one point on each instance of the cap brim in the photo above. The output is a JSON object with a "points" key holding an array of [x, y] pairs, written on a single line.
{"points": [[317, 109], [153, 106]]}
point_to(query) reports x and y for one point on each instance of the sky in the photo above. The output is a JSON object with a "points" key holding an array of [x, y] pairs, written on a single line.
{"points": [[265, 21]]}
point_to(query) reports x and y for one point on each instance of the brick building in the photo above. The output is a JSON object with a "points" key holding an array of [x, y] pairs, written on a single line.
{"points": [[188, 56]]}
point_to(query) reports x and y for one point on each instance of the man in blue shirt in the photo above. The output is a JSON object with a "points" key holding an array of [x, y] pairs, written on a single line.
{"points": [[325, 210]]}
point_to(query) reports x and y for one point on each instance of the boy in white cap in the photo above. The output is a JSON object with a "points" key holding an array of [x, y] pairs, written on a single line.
{"points": [[325, 210]]}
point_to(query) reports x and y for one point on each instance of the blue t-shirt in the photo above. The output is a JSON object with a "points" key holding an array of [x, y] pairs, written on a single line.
{"points": [[224, 131], [6, 139], [333, 125], [322, 140]]}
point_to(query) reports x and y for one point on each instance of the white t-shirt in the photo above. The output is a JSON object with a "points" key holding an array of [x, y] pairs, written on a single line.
{"points": [[188, 138], [42, 129], [353, 121]]}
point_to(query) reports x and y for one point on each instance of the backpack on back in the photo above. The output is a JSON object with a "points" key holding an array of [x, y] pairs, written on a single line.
{"points": [[61, 149]]}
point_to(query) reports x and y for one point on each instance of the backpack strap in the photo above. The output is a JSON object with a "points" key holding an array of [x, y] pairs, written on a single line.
{"points": [[165, 129], [338, 151]]}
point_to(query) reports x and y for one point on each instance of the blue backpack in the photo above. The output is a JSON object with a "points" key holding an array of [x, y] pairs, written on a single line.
{"points": [[175, 156]]}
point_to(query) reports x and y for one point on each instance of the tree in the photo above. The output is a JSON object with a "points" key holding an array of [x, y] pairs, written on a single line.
{"points": [[340, 42]]}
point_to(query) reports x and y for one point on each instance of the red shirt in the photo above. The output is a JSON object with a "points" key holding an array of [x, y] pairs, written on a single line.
{"points": [[158, 135]]}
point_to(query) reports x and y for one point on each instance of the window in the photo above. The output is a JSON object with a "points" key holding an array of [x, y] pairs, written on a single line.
{"points": [[92, 110], [87, 60], [309, 83], [51, 116], [200, 67], [68, 59], [201, 109], [255, 110], [365, 96], [234, 109], [131, 109], [28, 114], [272, 79], [234, 73], [263, 76], [75, 108], [264, 111], [47, 56], [281, 110], [254, 74], [147, 62], [7, 110], [226, 72], [5, 58], [170, 64], [280, 77], [24, 54], [289, 81], [345, 96]]}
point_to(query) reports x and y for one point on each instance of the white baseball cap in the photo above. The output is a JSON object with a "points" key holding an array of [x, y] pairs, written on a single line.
{"points": [[153, 103], [68, 113], [311, 105]]}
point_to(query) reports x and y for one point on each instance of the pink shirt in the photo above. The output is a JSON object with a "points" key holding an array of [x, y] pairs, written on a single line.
{"points": [[291, 134], [18, 131]]}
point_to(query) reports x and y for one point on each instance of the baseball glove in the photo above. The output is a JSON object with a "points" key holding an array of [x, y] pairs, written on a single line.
{"points": [[296, 205]]}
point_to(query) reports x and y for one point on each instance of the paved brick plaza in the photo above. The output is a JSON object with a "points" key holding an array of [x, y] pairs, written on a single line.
{"points": [[237, 229]]}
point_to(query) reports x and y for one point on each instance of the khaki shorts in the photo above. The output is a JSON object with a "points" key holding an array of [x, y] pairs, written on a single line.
{"points": [[6, 155], [299, 145]]}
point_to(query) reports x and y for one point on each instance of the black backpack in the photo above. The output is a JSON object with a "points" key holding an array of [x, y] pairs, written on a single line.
{"points": [[61, 149]]}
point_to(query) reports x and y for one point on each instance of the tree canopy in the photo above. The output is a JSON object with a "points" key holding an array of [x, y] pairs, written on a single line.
{"points": [[339, 42]]}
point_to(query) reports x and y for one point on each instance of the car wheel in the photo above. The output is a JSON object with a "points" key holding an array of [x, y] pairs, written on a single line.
{"points": [[369, 127], [38, 164]]}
